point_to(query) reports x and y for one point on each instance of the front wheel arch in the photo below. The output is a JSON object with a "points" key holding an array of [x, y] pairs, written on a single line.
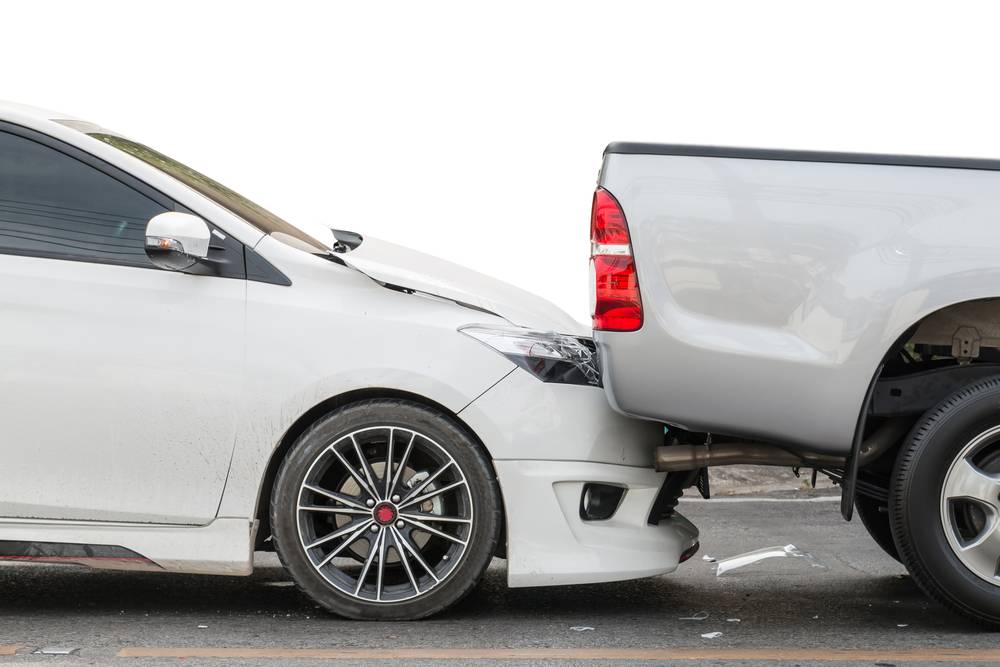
{"points": [[312, 415]]}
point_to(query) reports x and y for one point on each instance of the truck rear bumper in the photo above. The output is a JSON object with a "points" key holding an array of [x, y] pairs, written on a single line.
{"points": [[550, 544], [653, 374]]}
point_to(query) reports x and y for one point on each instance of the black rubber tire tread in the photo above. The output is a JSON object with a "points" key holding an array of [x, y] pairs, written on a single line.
{"points": [[878, 524], [469, 455], [922, 544]]}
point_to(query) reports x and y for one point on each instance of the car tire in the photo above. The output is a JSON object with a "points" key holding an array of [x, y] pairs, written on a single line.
{"points": [[944, 503], [874, 516], [411, 538]]}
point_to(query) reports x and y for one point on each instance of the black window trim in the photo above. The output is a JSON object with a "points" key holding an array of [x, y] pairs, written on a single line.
{"points": [[130, 181]]}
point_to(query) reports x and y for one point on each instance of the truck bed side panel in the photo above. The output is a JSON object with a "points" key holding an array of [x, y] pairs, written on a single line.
{"points": [[772, 289]]}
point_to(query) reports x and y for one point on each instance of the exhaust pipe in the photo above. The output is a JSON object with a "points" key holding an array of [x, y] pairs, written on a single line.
{"points": [[676, 458]]}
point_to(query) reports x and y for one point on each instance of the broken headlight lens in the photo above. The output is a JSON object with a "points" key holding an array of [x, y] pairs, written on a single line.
{"points": [[550, 357]]}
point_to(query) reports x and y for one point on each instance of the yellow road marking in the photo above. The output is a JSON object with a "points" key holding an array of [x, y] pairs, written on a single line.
{"points": [[657, 654]]}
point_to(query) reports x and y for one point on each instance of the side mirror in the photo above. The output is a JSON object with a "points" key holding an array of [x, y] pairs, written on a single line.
{"points": [[176, 241]]}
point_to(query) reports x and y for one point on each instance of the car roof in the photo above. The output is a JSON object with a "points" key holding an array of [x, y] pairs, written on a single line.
{"points": [[14, 111]]}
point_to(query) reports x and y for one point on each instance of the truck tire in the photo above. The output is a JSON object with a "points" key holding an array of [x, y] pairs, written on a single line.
{"points": [[944, 502], [373, 540], [875, 518]]}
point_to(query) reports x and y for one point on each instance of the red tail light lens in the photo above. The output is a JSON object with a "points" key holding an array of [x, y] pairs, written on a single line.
{"points": [[616, 304], [607, 221]]}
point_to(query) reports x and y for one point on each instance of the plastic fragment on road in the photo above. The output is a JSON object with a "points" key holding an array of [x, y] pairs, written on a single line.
{"points": [[749, 558], [902, 625], [699, 616], [55, 650], [732, 620], [709, 559], [202, 627], [581, 628], [711, 635]]}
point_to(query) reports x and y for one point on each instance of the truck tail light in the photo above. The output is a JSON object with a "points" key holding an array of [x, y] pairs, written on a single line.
{"points": [[615, 302]]}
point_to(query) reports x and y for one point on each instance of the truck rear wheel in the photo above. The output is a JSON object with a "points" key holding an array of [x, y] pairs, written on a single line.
{"points": [[944, 502]]}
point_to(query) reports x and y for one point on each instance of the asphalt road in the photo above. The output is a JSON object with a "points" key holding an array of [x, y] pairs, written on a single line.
{"points": [[859, 608]]}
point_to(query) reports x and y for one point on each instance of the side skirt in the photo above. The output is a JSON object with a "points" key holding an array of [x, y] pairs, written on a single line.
{"points": [[98, 556], [224, 546]]}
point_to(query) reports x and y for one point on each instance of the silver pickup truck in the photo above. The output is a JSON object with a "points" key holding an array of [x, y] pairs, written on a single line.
{"points": [[832, 311]]}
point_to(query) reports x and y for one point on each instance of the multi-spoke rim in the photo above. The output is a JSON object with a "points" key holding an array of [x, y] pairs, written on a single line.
{"points": [[970, 506], [384, 514]]}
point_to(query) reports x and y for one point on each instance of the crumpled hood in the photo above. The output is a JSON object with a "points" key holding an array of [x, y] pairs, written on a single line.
{"points": [[402, 267]]}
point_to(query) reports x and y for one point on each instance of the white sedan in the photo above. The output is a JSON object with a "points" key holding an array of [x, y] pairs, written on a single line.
{"points": [[189, 378]]}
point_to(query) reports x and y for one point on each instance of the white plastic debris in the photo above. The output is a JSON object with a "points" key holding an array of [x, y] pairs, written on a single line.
{"points": [[711, 635], [732, 620], [202, 627], [902, 625], [788, 551], [709, 559], [699, 616], [55, 650], [581, 628]]}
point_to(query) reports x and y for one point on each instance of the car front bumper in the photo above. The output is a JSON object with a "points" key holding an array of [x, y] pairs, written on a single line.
{"points": [[548, 543], [547, 442]]}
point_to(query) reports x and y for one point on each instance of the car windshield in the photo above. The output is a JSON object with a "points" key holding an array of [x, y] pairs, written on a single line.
{"points": [[231, 200]]}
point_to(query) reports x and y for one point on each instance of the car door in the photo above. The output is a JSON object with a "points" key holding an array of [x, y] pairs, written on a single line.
{"points": [[119, 382]]}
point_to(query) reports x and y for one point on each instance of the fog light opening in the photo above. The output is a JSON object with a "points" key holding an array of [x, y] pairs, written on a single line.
{"points": [[599, 502]]}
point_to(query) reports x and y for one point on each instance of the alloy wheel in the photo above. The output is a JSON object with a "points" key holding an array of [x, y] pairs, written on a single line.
{"points": [[970, 505], [384, 514]]}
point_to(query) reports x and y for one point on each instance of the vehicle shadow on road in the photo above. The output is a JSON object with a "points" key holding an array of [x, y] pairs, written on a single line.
{"points": [[796, 602]]}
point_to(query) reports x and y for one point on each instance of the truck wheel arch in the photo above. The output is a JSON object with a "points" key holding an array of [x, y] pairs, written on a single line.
{"points": [[965, 328]]}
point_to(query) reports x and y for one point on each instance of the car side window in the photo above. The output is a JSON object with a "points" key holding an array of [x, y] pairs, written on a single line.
{"points": [[53, 205]]}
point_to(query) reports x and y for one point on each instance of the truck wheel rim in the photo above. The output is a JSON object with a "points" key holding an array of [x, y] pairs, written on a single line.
{"points": [[406, 502], [970, 505]]}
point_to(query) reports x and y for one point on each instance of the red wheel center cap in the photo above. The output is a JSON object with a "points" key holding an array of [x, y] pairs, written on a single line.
{"points": [[384, 514]]}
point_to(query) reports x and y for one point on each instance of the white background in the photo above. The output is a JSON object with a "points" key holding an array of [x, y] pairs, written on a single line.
{"points": [[474, 131]]}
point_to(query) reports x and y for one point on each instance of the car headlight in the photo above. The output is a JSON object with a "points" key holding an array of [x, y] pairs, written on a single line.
{"points": [[550, 357]]}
